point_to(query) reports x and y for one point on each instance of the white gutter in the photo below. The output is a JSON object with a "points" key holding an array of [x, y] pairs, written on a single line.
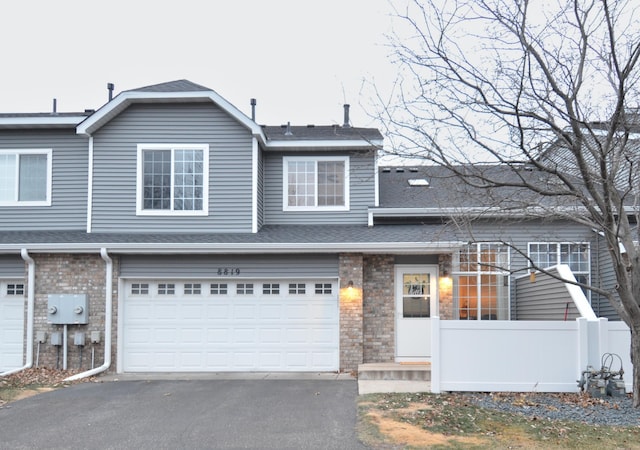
{"points": [[43, 121], [254, 185], [108, 310], [328, 143], [90, 187], [416, 247], [31, 296], [492, 211]]}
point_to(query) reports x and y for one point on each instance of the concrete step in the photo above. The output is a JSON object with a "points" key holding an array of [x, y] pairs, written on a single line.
{"points": [[394, 371]]}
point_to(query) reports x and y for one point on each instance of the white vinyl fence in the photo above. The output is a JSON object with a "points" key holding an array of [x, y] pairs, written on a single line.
{"points": [[523, 356]]}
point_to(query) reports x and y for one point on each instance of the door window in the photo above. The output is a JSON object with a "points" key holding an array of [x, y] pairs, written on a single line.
{"points": [[415, 295]]}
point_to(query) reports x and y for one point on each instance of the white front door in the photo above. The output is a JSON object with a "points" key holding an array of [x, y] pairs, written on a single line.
{"points": [[416, 300]]}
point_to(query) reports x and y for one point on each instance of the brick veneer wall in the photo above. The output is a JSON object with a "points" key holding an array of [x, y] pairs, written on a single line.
{"points": [[379, 309], [73, 274], [445, 286], [350, 269]]}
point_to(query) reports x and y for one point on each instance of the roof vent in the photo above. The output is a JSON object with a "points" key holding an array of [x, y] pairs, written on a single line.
{"points": [[311, 125], [288, 132], [418, 182], [346, 123]]}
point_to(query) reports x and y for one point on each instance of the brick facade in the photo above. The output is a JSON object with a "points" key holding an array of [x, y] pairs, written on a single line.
{"points": [[350, 269], [379, 308], [73, 274], [367, 309], [445, 287]]}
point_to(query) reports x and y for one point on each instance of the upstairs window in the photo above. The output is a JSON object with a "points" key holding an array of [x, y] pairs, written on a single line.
{"points": [[316, 183], [173, 179], [576, 255], [25, 177]]}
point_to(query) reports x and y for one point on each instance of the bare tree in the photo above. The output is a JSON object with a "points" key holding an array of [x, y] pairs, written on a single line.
{"points": [[552, 84]]}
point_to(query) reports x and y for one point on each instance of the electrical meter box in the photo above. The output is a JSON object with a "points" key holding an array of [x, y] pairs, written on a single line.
{"points": [[68, 309]]}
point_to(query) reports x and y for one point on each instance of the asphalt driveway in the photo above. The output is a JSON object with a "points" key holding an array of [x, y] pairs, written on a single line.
{"points": [[300, 414]]}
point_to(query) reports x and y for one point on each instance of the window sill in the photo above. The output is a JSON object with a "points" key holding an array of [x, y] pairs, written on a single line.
{"points": [[160, 213]]}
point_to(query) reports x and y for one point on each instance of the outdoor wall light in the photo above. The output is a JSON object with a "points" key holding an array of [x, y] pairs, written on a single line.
{"points": [[350, 284]]}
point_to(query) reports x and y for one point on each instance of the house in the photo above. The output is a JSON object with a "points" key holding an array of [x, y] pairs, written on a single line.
{"points": [[168, 232]]}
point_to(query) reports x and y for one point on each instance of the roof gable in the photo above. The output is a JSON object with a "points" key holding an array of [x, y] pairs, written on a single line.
{"points": [[180, 91]]}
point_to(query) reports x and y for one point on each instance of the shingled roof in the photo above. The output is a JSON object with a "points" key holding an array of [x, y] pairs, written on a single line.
{"points": [[172, 86], [274, 238]]}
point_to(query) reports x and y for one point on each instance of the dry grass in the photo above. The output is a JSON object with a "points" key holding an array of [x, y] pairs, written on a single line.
{"points": [[398, 421], [34, 381]]}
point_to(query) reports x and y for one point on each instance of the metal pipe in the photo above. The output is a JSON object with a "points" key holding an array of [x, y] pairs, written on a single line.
{"points": [[64, 347], [31, 296], [108, 310]]}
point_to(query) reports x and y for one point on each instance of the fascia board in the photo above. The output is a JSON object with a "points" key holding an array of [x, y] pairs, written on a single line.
{"points": [[480, 211], [313, 144], [248, 248], [440, 212], [124, 99], [53, 121]]}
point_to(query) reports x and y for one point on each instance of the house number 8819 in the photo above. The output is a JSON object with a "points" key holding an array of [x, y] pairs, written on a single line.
{"points": [[228, 271]]}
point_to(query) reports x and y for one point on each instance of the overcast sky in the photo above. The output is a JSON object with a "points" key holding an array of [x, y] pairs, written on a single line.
{"points": [[300, 59]]}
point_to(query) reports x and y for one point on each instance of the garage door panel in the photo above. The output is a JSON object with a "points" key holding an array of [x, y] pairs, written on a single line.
{"points": [[270, 335], [271, 312], [245, 312], [193, 336], [244, 360], [218, 336], [217, 311], [229, 331], [322, 335], [245, 336], [190, 311], [12, 316]]}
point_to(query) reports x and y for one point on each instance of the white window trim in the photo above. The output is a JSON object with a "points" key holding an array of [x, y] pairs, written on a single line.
{"points": [[479, 273], [285, 183], [559, 244], [37, 151], [140, 211]]}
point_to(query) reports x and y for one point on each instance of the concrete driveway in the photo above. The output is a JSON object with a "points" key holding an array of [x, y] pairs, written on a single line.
{"points": [[172, 414]]}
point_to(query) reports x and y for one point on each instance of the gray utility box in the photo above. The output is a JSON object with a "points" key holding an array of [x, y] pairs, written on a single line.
{"points": [[68, 309]]}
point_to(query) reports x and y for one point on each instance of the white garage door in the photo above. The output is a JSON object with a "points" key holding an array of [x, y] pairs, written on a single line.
{"points": [[200, 325], [11, 324]]}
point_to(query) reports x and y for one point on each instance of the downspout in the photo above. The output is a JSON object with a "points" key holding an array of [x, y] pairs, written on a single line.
{"points": [[108, 309], [31, 296]]}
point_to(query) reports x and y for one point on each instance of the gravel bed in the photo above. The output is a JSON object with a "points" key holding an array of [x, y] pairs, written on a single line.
{"points": [[616, 411]]}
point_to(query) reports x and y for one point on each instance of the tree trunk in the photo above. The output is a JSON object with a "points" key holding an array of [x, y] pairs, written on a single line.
{"points": [[635, 360]]}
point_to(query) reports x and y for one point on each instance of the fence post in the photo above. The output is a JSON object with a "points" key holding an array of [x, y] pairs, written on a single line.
{"points": [[583, 346], [435, 355]]}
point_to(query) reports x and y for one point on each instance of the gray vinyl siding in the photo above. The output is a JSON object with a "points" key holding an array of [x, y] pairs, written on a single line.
{"points": [[260, 190], [362, 192], [115, 159], [519, 233], [545, 299], [68, 210], [254, 266], [606, 279], [11, 266]]}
